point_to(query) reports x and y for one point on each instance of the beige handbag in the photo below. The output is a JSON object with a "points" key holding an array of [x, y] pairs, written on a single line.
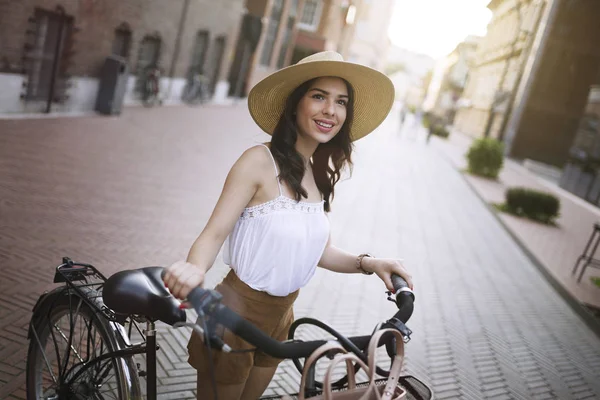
{"points": [[369, 391]]}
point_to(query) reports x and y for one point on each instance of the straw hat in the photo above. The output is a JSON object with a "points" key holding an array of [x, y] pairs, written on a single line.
{"points": [[373, 91]]}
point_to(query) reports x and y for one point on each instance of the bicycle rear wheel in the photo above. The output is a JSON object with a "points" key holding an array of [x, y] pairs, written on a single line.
{"points": [[65, 336]]}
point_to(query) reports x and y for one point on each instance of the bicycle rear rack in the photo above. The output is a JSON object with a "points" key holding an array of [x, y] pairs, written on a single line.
{"points": [[79, 276]]}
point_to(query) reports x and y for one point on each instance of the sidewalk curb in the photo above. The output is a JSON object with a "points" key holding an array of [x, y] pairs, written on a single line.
{"points": [[590, 320]]}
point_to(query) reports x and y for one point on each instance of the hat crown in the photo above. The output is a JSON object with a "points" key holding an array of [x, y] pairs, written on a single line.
{"points": [[373, 91], [322, 56]]}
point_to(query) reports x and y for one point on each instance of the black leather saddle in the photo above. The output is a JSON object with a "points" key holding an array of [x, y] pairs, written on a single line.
{"points": [[142, 292]]}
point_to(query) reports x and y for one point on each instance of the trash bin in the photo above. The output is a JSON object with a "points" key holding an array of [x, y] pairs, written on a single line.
{"points": [[113, 85]]}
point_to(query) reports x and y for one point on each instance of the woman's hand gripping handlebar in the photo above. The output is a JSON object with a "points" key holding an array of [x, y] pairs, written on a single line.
{"points": [[207, 303]]}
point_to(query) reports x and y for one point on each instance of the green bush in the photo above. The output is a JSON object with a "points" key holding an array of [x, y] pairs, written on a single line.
{"points": [[426, 120], [533, 204], [486, 157], [441, 131]]}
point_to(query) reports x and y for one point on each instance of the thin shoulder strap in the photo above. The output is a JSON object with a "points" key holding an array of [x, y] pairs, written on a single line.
{"points": [[276, 170]]}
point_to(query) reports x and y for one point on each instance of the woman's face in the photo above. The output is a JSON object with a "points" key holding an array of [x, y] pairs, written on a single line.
{"points": [[321, 112]]}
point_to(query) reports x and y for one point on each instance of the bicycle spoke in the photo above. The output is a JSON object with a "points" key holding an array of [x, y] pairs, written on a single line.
{"points": [[100, 378], [37, 339], [68, 345], [69, 340]]}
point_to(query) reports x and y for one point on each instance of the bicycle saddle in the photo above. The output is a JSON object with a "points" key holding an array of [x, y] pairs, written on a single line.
{"points": [[142, 292]]}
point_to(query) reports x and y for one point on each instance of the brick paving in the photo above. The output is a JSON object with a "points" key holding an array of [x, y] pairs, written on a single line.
{"points": [[135, 190], [557, 248]]}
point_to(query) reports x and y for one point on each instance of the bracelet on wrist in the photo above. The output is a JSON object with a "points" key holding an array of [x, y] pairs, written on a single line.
{"points": [[359, 263]]}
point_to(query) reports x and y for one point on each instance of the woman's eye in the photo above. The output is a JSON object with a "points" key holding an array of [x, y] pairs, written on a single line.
{"points": [[342, 102], [318, 96]]}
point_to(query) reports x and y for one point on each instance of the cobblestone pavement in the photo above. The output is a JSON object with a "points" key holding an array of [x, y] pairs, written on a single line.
{"points": [[135, 190]]}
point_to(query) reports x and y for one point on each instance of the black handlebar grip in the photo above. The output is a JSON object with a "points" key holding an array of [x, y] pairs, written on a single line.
{"points": [[398, 282], [404, 294]]}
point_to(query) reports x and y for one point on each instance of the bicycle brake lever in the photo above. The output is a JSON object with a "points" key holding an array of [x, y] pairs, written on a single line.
{"points": [[208, 299], [390, 297]]}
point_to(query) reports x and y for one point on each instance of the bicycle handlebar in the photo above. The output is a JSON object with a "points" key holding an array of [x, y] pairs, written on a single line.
{"points": [[207, 302]]}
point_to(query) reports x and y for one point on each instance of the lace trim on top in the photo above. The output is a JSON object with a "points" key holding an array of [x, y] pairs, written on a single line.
{"points": [[281, 203]]}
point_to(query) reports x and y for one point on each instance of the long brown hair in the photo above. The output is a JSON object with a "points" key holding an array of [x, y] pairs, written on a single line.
{"points": [[328, 160]]}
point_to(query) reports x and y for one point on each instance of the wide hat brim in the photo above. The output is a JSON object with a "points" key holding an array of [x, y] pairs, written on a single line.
{"points": [[373, 93]]}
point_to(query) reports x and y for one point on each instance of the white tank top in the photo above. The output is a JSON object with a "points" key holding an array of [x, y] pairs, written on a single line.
{"points": [[275, 246]]}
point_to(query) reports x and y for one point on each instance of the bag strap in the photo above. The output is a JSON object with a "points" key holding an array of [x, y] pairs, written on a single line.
{"points": [[318, 353], [348, 358], [392, 382]]}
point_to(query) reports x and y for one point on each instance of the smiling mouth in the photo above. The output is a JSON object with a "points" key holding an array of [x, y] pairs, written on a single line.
{"points": [[324, 124]]}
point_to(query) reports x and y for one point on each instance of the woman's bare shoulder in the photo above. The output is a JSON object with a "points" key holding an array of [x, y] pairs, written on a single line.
{"points": [[257, 156], [254, 161]]}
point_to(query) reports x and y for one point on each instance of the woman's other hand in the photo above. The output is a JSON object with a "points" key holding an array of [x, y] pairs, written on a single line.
{"points": [[181, 277], [385, 267]]}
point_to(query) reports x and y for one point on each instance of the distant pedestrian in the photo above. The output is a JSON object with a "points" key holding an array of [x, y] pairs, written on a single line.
{"points": [[402, 115], [429, 133]]}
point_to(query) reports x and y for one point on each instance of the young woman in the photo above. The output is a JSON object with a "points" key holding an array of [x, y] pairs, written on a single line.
{"points": [[272, 210]]}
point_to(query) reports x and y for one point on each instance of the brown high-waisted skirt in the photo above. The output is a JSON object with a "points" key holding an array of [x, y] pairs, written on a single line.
{"points": [[271, 314]]}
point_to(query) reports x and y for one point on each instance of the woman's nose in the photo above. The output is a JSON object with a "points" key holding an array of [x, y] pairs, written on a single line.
{"points": [[329, 108]]}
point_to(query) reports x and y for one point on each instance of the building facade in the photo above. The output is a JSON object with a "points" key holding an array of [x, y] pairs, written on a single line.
{"points": [[449, 79], [369, 44], [357, 29], [324, 25], [52, 51], [291, 30], [581, 174], [562, 67], [498, 64], [279, 28], [533, 75]]}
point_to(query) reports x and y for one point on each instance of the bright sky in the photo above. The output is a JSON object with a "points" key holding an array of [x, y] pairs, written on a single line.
{"points": [[435, 27]]}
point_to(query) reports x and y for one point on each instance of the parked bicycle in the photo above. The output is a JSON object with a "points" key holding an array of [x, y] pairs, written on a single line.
{"points": [[151, 87], [197, 90], [80, 334]]}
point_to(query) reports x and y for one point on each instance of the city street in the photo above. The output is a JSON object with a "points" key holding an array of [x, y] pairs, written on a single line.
{"points": [[135, 190]]}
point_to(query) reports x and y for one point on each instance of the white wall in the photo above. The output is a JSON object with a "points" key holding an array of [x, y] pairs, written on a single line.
{"points": [[83, 92], [10, 92], [82, 95]]}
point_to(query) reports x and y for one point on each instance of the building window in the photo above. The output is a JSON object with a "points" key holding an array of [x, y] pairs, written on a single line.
{"points": [[51, 32], [311, 15], [271, 34], [122, 42], [149, 53], [148, 56], [287, 37], [199, 53]]}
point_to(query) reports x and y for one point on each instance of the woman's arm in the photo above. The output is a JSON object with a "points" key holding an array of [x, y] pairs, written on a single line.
{"points": [[338, 260], [242, 183]]}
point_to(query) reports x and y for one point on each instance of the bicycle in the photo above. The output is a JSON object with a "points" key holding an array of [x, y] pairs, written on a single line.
{"points": [[106, 311], [197, 90], [151, 87]]}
